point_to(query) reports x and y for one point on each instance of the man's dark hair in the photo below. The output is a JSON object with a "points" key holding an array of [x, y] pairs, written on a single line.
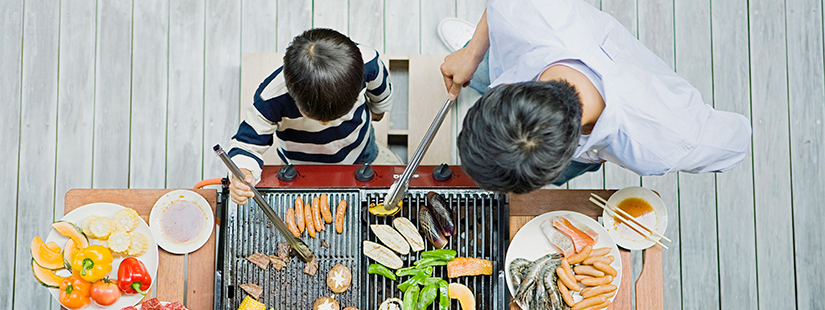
{"points": [[520, 137], [324, 73]]}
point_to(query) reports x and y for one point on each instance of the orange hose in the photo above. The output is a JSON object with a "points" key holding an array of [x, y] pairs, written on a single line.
{"points": [[208, 182]]}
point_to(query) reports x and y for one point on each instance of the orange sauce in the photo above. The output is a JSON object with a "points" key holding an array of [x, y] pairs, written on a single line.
{"points": [[641, 211]]}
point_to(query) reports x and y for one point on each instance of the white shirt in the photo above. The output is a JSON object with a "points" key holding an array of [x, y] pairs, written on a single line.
{"points": [[654, 121]]}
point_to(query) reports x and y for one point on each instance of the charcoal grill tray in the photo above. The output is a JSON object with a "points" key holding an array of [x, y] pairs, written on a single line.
{"points": [[482, 225]]}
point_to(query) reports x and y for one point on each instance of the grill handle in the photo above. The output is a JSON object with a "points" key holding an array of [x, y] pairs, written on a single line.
{"points": [[299, 246]]}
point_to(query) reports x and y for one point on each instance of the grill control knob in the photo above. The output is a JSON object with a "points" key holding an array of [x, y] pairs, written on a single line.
{"points": [[287, 173], [442, 173], [365, 173]]}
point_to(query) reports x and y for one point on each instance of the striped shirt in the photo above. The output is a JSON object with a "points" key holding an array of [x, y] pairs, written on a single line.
{"points": [[306, 141]]}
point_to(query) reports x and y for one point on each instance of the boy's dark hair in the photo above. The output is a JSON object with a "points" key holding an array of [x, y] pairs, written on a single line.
{"points": [[324, 73], [520, 137]]}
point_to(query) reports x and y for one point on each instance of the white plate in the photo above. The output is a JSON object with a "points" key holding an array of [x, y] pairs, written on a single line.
{"points": [[149, 259], [627, 238], [531, 244], [163, 203]]}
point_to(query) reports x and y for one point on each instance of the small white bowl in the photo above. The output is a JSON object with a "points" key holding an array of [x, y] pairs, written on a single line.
{"points": [[636, 242], [163, 203]]}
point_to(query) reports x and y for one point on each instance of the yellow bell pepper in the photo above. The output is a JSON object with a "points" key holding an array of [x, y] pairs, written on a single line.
{"points": [[93, 262]]}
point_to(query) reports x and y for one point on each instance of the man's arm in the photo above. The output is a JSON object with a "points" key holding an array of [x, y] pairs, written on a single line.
{"points": [[458, 68]]}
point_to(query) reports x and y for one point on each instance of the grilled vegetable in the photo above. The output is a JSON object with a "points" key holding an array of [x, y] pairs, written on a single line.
{"points": [[443, 296], [391, 304], [429, 262], [407, 229], [427, 296], [419, 277], [391, 238], [442, 254], [339, 279], [381, 270], [382, 255], [379, 210], [325, 303], [251, 304], [442, 213], [411, 298], [429, 227], [463, 266]]}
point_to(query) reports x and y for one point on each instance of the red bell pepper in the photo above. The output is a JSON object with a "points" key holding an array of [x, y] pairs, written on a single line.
{"points": [[132, 276]]}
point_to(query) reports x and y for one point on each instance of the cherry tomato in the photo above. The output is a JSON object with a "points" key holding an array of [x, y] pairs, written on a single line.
{"points": [[105, 292]]}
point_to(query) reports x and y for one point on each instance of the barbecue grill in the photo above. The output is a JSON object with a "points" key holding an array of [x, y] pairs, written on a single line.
{"points": [[482, 232]]}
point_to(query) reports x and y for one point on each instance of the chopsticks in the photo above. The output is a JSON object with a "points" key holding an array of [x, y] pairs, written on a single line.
{"points": [[627, 219]]}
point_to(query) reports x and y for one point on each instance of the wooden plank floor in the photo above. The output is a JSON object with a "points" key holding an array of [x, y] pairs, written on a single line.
{"points": [[127, 93]]}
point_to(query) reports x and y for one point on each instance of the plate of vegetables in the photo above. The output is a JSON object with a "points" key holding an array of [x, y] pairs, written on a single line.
{"points": [[101, 255]]}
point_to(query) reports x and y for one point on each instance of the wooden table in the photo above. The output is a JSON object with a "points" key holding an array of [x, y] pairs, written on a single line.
{"points": [[171, 285], [649, 291]]}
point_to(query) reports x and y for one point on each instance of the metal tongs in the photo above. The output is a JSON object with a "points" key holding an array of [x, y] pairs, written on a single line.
{"points": [[399, 188], [301, 249]]}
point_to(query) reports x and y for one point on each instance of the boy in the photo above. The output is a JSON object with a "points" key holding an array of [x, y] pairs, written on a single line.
{"points": [[319, 103]]}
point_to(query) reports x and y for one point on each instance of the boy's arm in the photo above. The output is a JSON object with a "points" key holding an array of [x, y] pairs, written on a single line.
{"points": [[379, 87], [253, 139]]}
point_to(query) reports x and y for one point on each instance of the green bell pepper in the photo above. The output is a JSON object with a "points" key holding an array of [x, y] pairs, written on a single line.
{"points": [[381, 270], [427, 296]]}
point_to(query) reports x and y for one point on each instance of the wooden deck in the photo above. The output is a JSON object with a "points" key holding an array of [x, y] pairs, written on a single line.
{"points": [[132, 94]]}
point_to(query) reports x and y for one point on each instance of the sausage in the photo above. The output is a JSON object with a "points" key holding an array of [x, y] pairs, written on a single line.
{"points": [[316, 214], [587, 302], [340, 212], [601, 289], [605, 268], [587, 270], [325, 209], [299, 214], [608, 294], [579, 277], [309, 221], [566, 279], [290, 223], [602, 305], [581, 256], [604, 259], [599, 252], [565, 294], [598, 281]]}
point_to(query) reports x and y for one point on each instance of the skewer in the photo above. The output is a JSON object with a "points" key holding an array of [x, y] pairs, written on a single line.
{"points": [[628, 216], [621, 218]]}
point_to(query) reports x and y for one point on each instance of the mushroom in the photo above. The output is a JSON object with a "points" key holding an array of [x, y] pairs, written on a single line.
{"points": [[339, 279], [325, 303], [391, 304]]}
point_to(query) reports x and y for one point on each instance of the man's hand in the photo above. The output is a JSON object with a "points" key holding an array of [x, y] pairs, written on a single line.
{"points": [[239, 192], [458, 69]]}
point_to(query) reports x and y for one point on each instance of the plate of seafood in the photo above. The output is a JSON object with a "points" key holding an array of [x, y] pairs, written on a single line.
{"points": [[563, 259]]}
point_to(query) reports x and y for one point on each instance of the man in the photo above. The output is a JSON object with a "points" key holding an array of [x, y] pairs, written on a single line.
{"points": [[571, 88]]}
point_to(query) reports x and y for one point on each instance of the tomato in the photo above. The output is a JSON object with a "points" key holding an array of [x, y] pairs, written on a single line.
{"points": [[105, 292]]}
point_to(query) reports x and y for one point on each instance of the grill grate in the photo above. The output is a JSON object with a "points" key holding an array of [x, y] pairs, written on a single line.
{"points": [[482, 227], [480, 232], [249, 231]]}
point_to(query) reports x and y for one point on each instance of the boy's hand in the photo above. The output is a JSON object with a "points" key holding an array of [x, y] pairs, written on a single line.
{"points": [[239, 192], [376, 117], [458, 69]]}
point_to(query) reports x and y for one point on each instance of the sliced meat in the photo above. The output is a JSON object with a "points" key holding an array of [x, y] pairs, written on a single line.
{"points": [[175, 306], [129, 308], [277, 262], [283, 250], [324, 243], [252, 289], [312, 267], [259, 259], [151, 304]]}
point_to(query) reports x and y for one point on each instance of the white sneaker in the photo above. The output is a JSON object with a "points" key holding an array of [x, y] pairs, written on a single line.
{"points": [[455, 33]]}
